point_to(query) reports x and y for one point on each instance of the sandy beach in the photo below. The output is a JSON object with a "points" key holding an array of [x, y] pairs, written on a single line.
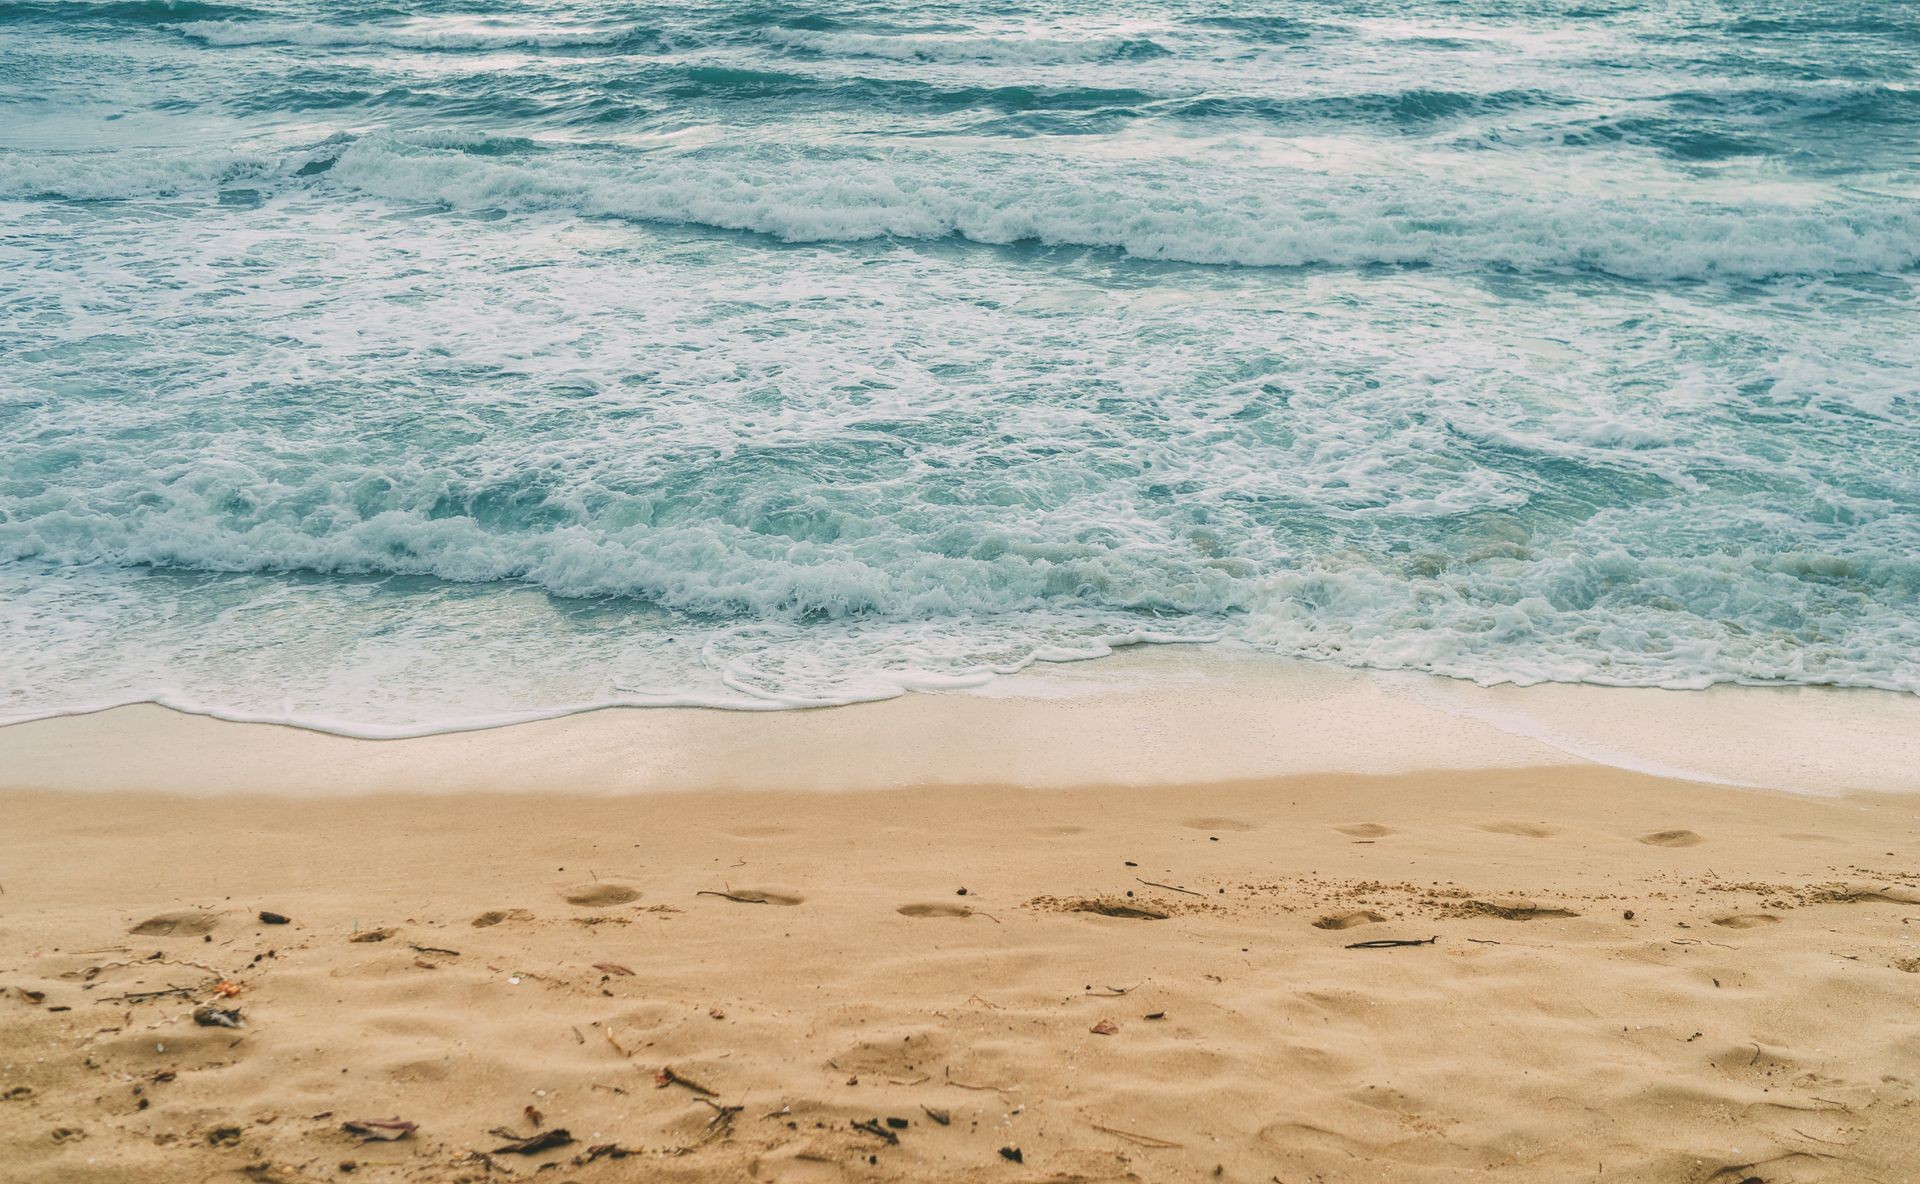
{"points": [[1620, 975]]}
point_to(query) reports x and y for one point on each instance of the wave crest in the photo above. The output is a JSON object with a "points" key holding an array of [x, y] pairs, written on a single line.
{"points": [[1272, 218], [419, 34], [908, 47]]}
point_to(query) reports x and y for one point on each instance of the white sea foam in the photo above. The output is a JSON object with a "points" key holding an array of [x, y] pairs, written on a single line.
{"points": [[421, 33], [1272, 218], [412, 390], [955, 473], [1009, 49], [129, 172], [1587, 609], [1152, 210]]}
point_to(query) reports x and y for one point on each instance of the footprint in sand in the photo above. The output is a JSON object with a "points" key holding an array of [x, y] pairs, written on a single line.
{"points": [[756, 896], [1348, 920], [759, 832], [934, 910], [791, 1167], [190, 923], [1529, 830], [1216, 824], [1746, 920], [495, 916], [1672, 838], [1366, 830], [599, 894]]}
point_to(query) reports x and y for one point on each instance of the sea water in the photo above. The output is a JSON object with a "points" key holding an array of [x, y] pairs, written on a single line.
{"points": [[423, 363]]}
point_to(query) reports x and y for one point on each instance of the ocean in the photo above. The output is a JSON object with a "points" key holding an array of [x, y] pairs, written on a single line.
{"points": [[401, 366]]}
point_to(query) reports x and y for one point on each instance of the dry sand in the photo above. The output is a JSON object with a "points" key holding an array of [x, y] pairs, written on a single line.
{"points": [[1634, 978]]}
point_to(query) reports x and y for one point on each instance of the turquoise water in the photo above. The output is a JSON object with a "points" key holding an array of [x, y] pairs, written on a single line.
{"points": [[414, 364]]}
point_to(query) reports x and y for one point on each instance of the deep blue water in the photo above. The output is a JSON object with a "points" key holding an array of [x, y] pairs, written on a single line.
{"points": [[395, 365]]}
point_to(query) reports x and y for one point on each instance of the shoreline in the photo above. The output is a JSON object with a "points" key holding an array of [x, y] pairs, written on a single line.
{"points": [[1153, 715]]}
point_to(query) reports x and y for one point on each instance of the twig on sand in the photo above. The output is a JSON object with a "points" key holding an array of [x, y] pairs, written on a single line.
{"points": [[532, 1144], [143, 996], [666, 1077], [947, 1073], [1170, 887], [1392, 943], [1135, 1137], [92, 972], [1111, 991], [433, 950], [737, 899], [874, 1128]]}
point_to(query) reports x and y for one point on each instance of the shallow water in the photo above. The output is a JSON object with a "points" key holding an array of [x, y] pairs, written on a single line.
{"points": [[406, 365]]}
